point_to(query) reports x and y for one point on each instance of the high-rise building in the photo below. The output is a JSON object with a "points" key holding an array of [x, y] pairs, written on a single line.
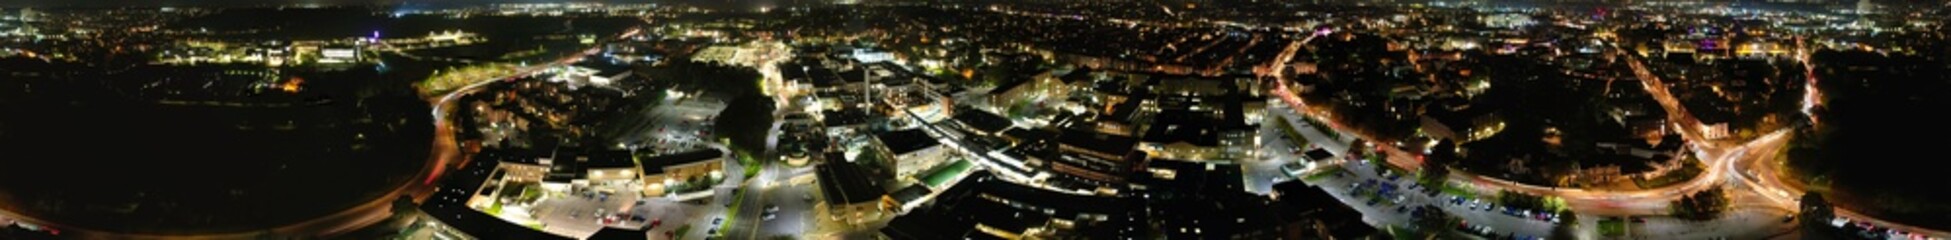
{"points": [[1865, 7]]}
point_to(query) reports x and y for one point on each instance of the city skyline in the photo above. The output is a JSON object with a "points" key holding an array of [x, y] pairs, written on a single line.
{"points": [[1199, 119], [754, 3]]}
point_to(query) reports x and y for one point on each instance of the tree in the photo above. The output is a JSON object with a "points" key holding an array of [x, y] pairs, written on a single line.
{"points": [[1520, 200], [1431, 221], [1815, 215], [1433, 177], [1437, 167], [1565, 227], [1703, 205]]}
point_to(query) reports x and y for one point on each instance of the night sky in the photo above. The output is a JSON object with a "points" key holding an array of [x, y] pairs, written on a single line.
{"points": [[228, 3], [112, 3]]}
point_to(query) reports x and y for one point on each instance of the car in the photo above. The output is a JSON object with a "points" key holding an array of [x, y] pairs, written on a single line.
{"points": [[771, 208], [713, 231], [717, 220], [769, 216]]}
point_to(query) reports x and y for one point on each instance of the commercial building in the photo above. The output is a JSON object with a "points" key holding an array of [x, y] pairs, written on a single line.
{"points": [[1029, 88], [913, 151], [662, 173], [853, 195], [980, 122], [452, 205], [1103, 159], [983, 206], [339, 54], [1191, 129], [1310, 212], [1456, 119], [591, 73]]}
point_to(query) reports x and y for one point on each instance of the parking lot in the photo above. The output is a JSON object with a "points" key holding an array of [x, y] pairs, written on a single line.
{"points": [[580, 213], [675, 124]]}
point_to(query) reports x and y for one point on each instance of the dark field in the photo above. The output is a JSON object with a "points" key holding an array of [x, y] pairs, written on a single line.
{"points": [[99, 152]]}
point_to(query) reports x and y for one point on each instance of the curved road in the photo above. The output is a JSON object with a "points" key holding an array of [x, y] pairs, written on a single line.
{"points": [[1720, 157], [1617, 202], [379, 209]]}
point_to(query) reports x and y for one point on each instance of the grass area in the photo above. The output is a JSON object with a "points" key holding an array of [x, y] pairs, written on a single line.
{"points": [[446, 80], [738, 200], [1318, 126], [1686, 172], [1401, 233], [530, 193], [681, 230], [1612, 227], [1325, 171], [536, 226], [494, 208], [751, 164], [945, 173], [1377, 160], [1454, 190], [1379, 202], [1293, 136]]}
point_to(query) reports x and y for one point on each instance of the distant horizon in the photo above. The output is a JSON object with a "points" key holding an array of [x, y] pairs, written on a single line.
{"points": [[261, 3], [252, 3]]}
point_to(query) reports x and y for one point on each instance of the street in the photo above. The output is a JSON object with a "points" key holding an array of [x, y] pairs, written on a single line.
{"points": [[1720, 158]]}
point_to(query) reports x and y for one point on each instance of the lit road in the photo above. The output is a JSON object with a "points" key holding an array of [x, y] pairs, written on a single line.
{"points": [[1769, 198], [1644, 201], [1758, 172], [1745, 220], [444, 152], [1764, 175]]}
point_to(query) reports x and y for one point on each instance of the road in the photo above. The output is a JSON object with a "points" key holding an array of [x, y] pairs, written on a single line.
{"points": [[1764, 176], [1749, 219], [1601, 200], [1767, 180], [775, 186], [788, 189], [445, 151], [1720, 157], [1276, 149]]}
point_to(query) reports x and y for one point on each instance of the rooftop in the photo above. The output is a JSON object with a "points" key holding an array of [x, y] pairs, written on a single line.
{"points": [[1098, 142], [847, 183], [981, 121], [834, 118], [611, 233], [1173, 126], [906, 141], [654, 165]]}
